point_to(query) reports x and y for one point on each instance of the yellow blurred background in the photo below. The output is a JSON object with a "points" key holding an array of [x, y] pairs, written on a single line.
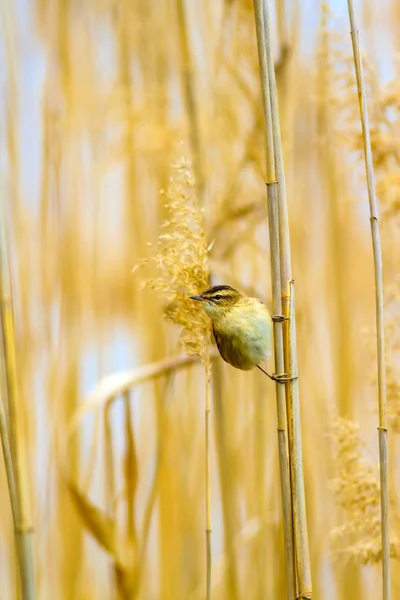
{"points": [[99, 100]]}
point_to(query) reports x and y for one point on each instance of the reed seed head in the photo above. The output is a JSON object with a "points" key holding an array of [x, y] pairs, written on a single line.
{"points": [[356, 491], [182, 261]]}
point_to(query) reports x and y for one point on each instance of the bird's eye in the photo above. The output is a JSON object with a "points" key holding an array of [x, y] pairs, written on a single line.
{"points": [[217, 297]]}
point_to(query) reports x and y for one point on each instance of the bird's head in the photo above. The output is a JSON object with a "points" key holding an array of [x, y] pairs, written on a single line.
{"points": [[218, 300]]}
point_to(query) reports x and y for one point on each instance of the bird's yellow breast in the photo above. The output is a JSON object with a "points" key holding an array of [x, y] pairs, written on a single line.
{"points": [[243, 334]]}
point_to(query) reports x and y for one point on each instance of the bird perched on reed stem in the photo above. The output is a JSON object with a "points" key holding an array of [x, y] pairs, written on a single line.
{"points": [[242, 327]]}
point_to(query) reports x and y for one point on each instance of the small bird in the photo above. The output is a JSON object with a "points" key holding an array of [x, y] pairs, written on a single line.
{"points": [[242, 327]]}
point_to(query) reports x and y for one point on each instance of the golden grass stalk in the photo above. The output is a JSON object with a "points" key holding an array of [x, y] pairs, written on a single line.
{"points": [[273, 220], [303, 567], [376, 245], [13, 445], [273, 139], [286, 490]]}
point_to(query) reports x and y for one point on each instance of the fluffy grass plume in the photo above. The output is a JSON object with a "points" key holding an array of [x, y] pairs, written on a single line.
{"points": [[356, 492], [182, 261]]}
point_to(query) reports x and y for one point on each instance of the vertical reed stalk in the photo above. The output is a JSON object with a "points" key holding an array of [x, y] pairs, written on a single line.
{"points": [[286, 490], [273, 220], [208, 480], [303, 568], [17, 474], [296, 461], [275, 170], [376, 245]]}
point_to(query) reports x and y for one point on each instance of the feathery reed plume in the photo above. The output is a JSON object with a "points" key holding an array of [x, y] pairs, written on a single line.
{"points": [[182, 265], [384, 123], [392, 339], [376, 244], [182, 262], [356, 491]]}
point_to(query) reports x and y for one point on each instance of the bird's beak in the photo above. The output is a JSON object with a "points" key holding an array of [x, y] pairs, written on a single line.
{"points": [[197, 298]]}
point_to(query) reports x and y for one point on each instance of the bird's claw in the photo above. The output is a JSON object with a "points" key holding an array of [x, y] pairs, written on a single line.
{"points": [[279, 318], [282, 378]]}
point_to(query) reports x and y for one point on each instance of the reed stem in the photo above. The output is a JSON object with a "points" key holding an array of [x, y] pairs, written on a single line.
{"points": [[377, 253], [286, 491], [303, 567], [273, 221], [275, 171]]}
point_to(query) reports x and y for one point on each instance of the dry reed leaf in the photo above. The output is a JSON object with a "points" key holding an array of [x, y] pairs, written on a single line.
{"points": [[96, 521], [126, 580], [131, 467], [102, 528], [130, 470], [115, 385]]}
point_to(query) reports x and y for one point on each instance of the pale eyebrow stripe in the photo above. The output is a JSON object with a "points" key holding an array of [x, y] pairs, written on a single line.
{"points": [[219, 288], [227, 296]]}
